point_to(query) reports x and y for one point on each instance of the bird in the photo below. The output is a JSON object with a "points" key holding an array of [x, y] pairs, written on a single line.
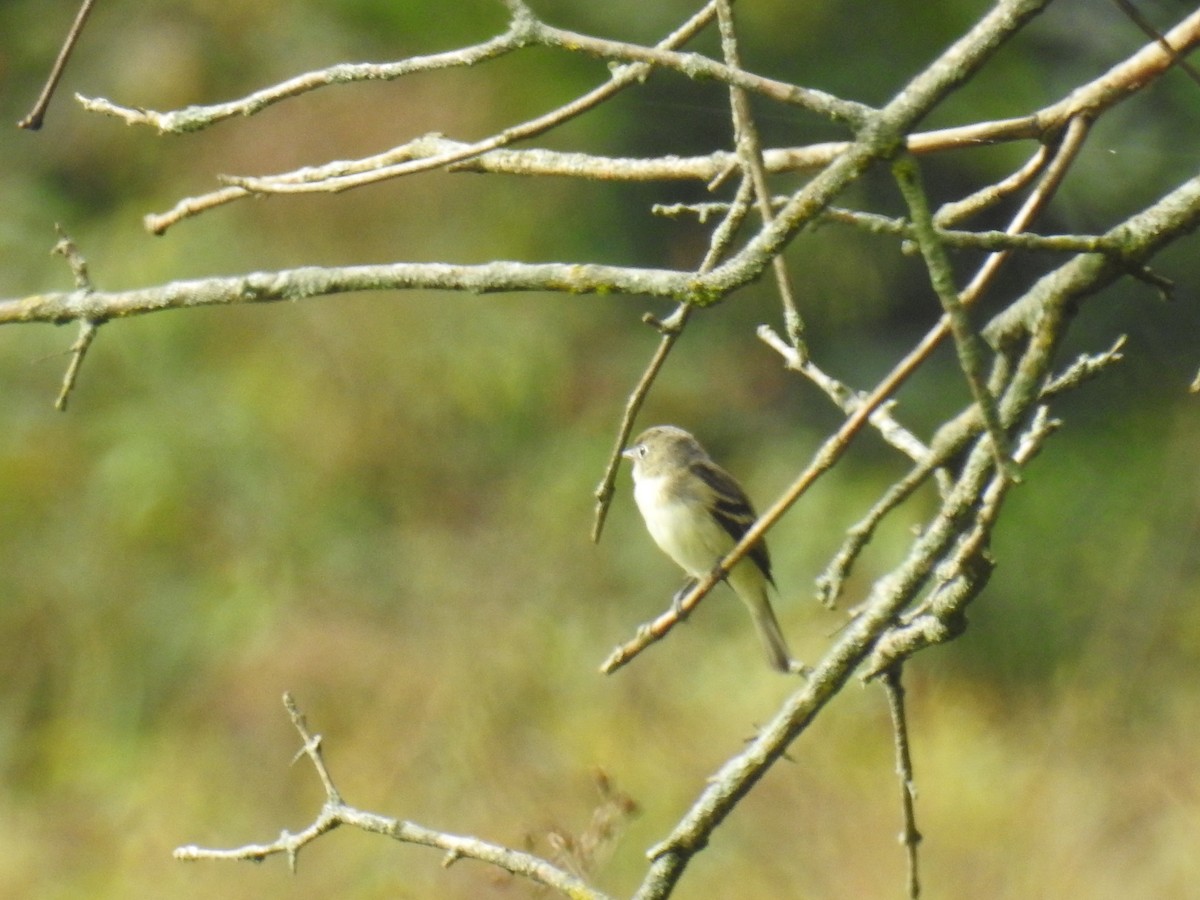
{"points": [[696, 511]]}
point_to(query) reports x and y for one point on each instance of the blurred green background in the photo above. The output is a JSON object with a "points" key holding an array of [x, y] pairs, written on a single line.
{"points": [[382, 503]]}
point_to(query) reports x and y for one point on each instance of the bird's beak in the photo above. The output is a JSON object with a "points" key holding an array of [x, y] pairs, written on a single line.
{"points": [[628, 453]]}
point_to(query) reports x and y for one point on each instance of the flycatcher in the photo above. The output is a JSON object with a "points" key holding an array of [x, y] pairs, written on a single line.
{"points": [[696, 512]]}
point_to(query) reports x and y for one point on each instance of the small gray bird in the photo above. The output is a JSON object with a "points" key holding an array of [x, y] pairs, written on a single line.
{"points": [[696, 512]]}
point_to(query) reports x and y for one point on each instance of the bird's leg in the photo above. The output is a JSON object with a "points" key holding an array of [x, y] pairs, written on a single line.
{"points": [[677, 600]]}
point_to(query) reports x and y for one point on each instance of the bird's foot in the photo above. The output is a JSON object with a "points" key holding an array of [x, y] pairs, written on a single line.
{"points": [[677, 601]]}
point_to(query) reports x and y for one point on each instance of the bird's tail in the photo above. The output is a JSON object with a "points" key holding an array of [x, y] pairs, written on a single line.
{"points": [[778, 655]]}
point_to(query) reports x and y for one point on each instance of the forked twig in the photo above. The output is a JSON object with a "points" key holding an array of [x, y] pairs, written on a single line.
{"points": [[88, 326], [335, 813]]}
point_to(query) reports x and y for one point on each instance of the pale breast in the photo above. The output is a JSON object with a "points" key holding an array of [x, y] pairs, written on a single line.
{"points": [[681, 526]]}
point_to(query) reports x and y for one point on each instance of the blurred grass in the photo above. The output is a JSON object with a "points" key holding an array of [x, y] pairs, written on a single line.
{"points": [[382, 503]]}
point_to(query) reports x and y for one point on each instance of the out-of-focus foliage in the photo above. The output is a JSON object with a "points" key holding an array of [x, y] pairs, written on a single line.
{"points": [[382, 503]]}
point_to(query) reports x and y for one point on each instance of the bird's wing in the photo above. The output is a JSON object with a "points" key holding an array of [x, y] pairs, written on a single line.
{"points": [[733, 511]]}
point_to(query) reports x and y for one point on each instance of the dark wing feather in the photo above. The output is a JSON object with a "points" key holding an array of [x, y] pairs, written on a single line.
{"points": [[733, 510]]}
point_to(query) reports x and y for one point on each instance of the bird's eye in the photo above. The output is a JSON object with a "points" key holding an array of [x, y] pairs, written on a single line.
{"points": [[641, 451]]}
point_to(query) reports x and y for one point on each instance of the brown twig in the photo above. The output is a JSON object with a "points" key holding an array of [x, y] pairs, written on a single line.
{"points": [[33, 121], [1150, 31]]}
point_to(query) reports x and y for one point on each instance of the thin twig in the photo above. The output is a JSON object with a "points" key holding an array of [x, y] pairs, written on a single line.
{"points": [[1088, 101], [88, 327], [750, 155], [1085, 366], [846, 399], [670, 329], [311, 748], [1148, 28], [831, 581], [991, 194], [1055, 172], [33, 121], [697, 66], [975, 240], [87, 333], [910, 837], [69, 250], [875, 223], [962, 575], [197, 118], [971, 349], [400, 161]]}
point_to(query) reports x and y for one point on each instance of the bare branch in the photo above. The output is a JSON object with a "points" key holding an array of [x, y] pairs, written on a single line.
{"points": [[313, 281], [831, 581], [335, 813], [1085, 367], [696, 66], [33, 121], [846, 399], [197, 118], [879, 140], [670, 329], [971, 349], [1010, 365], [88, 328], [408, 159], [1143, 23], [989, 195], [962, 575], [87, 333], [910, 837], [750, 157]]}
